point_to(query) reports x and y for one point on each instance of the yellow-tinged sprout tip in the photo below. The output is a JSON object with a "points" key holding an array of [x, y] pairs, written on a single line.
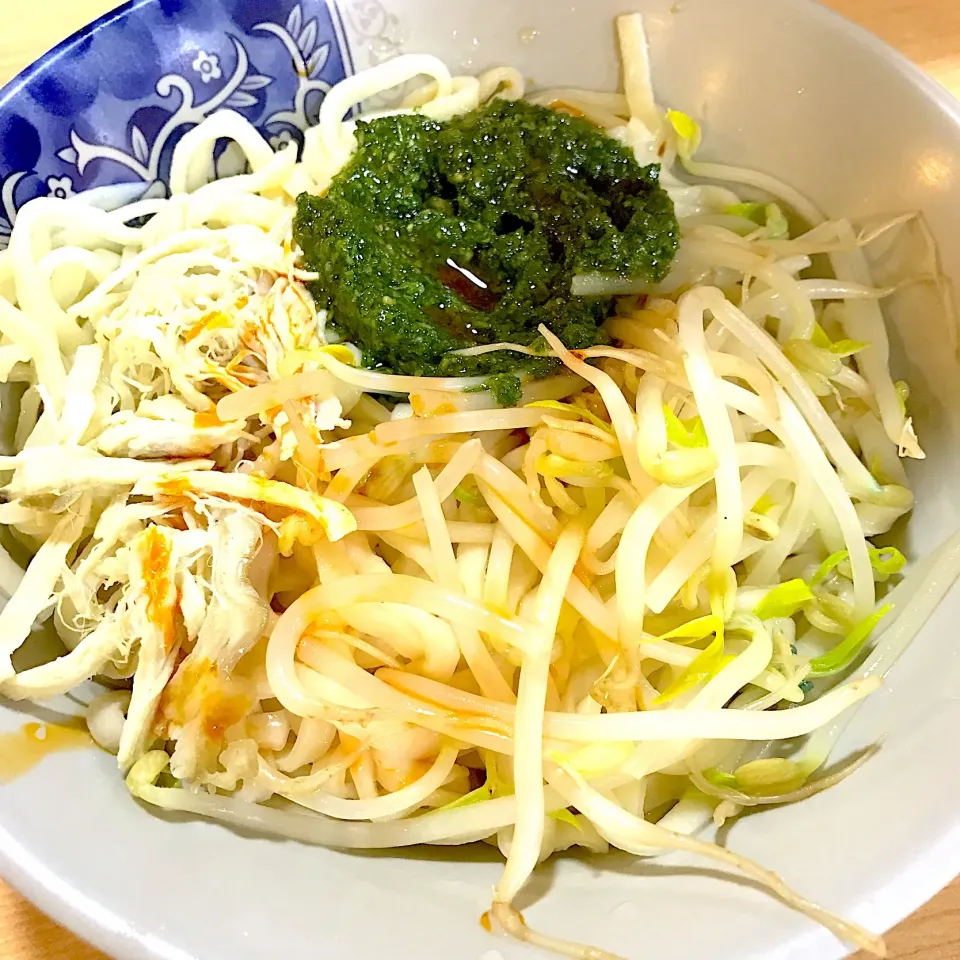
{"points": [[145, 771], [688, 133]]}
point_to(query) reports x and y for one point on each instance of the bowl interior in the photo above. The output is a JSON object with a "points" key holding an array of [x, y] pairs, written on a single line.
{"points": [[784, 87]]}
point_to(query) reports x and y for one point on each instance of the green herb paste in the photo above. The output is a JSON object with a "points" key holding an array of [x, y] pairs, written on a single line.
{"points": [[440, 236]]}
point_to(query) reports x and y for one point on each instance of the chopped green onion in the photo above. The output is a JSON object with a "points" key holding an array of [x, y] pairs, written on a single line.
{"points": [[565, 816], [842, 348], [845, 652], [465, 494], [684, 433], [694, 630], [885, 561], [688, 133], [474, 796], [720, 778], [820, 338], [847, 348], [706, 665], [492, 787], [784, 600], [777, 226], [749, 211], [764, 505], [767, 215], [827, 567], [581, 412]]}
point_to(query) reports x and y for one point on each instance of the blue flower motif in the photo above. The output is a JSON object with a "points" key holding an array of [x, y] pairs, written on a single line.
{"points": [[60, 187], [281, 139], [208, 66]]}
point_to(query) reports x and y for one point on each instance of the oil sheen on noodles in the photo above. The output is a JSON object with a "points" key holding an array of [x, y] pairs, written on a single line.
{"points": [[585, 620]]}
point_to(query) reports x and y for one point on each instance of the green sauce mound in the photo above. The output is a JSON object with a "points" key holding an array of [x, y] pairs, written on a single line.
{"points": [[440, 236]]}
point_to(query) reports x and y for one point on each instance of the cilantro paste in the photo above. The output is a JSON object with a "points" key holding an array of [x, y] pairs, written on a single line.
{"points": [[440, 236]]}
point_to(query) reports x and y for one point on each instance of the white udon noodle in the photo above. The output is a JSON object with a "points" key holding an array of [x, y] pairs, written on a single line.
{"points": [[459, 584]]}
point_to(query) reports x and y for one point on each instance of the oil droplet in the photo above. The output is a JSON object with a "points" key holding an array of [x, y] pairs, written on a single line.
{"points": [[25, 748], [529, 34]]}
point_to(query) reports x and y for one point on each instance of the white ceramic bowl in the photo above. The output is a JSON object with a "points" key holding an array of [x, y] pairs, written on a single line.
{"points": [[780, 85]]}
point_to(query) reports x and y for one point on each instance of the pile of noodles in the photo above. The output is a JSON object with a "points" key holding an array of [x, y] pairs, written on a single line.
{"points": [[581, 621]]}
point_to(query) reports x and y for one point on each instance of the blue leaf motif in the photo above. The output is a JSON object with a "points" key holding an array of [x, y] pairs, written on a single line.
{"points": [[308, 38], [68, 155], [241, 99], [294, 21], [139, 143], [256, 82], [319, 60]]}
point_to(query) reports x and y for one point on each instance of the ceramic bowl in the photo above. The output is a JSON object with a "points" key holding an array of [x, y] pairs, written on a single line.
{"points": [[780, 85]]}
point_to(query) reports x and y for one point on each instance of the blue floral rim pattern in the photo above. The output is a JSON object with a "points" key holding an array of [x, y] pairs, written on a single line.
{"points": [[107, 106]]}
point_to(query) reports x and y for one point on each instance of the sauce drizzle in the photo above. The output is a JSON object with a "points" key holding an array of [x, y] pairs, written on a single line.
{"points": [[23, 749]]}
